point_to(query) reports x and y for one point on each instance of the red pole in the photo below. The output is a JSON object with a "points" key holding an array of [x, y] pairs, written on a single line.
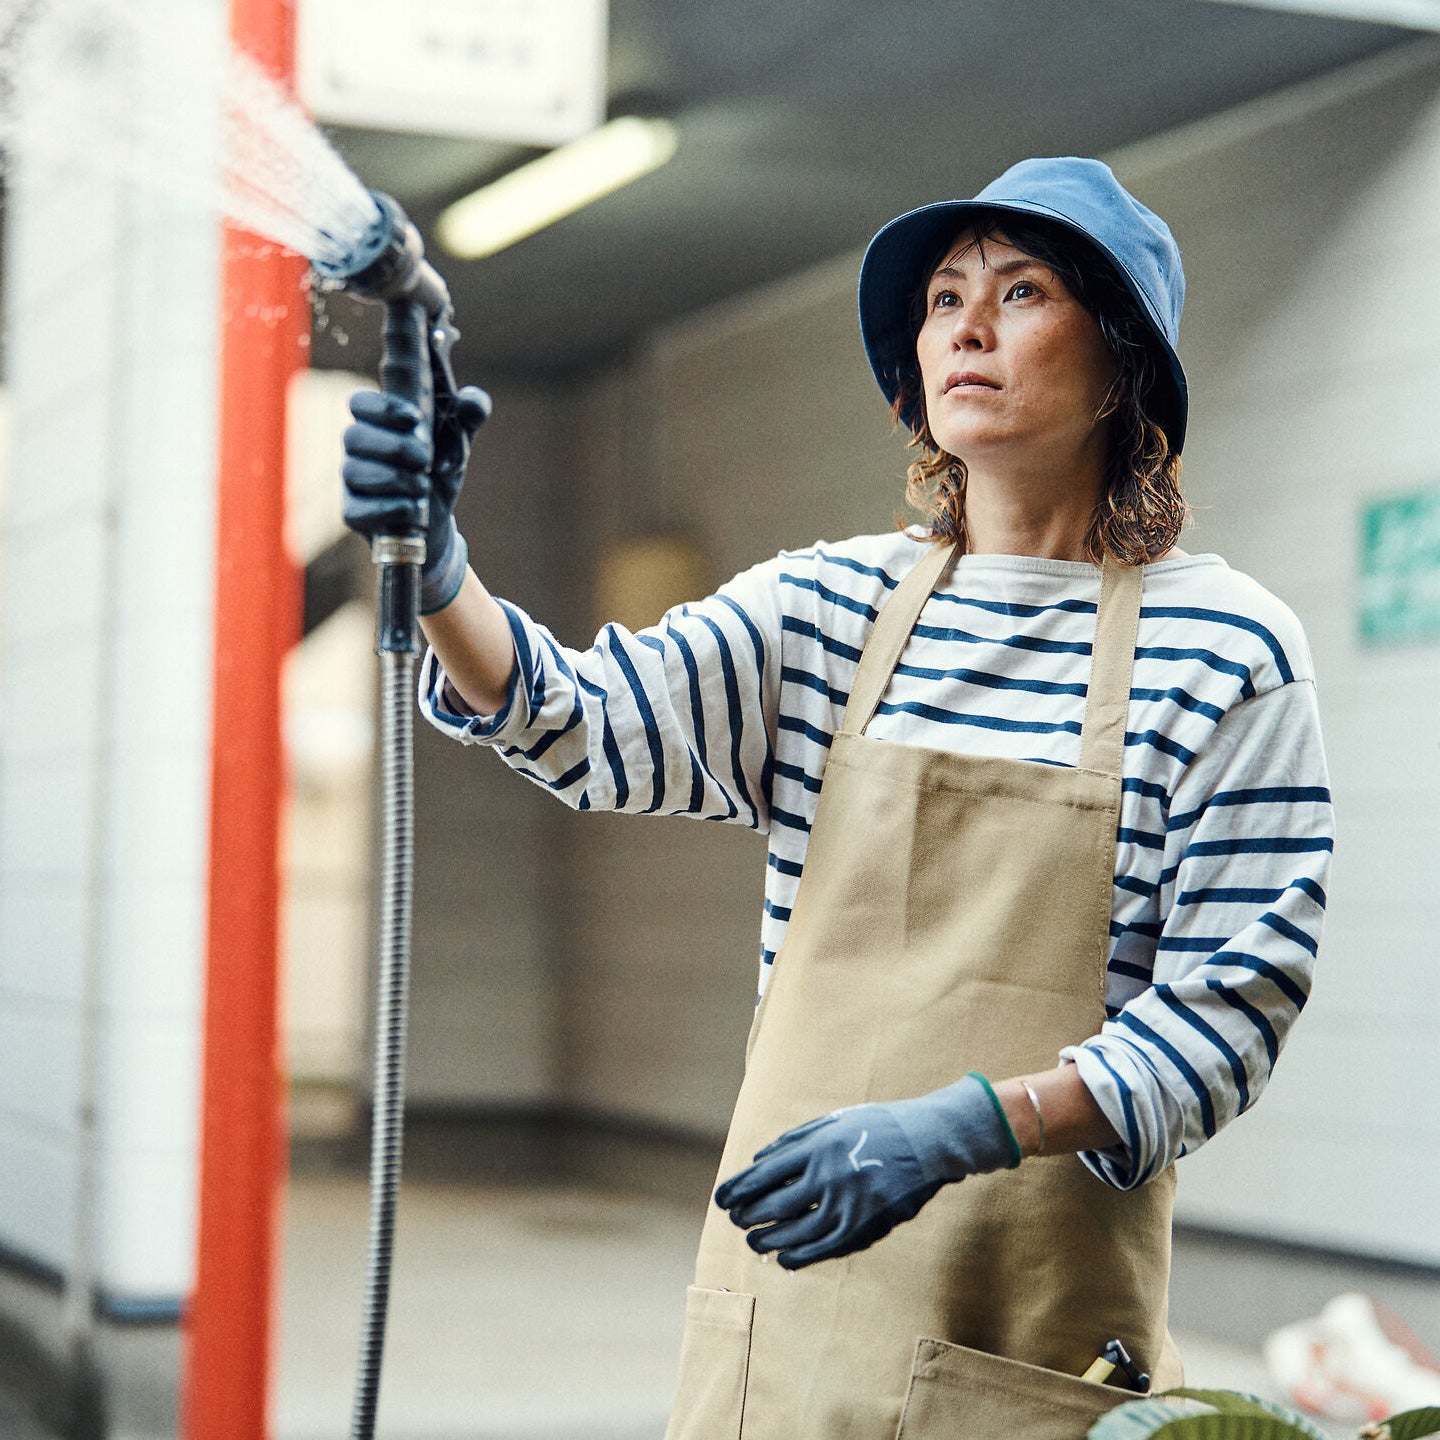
{"points": [[225, 1389]]}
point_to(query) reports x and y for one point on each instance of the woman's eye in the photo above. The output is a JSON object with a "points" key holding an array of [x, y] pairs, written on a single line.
{"points": [[1023, 289], [944, 300]]}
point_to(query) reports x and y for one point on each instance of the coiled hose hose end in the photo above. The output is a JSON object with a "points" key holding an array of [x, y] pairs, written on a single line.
{"points": [[397, 748]]}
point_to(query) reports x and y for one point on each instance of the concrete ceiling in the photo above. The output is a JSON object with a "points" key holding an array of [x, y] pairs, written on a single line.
{"points": [[804, 126]]}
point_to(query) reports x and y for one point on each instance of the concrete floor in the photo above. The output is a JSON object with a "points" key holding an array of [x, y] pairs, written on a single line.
{"points": [[545, 1311], [520, 1313]]}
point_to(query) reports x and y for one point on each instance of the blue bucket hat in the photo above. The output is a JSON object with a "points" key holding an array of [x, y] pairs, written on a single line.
{"points": [[1083, 196]]}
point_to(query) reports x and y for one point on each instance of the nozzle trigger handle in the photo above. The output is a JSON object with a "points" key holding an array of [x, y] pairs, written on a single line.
{"points": [[404, 371], [405, 361], [443, 336]]}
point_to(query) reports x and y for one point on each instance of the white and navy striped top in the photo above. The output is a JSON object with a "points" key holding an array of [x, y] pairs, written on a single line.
{"points": [[726, 708]]}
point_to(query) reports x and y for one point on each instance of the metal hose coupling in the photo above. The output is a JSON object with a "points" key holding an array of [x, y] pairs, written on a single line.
{"points": [[399, 558]]}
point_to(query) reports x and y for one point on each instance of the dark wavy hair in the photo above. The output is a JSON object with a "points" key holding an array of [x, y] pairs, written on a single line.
{"points": [[1141, 511]]}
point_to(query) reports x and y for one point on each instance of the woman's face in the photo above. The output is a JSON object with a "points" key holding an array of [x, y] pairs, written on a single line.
{"points": [[1013, 367]]}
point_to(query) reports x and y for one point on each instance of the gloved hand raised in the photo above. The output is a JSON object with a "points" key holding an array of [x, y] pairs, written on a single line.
{"points": [[398, 478], [838, 1184]]}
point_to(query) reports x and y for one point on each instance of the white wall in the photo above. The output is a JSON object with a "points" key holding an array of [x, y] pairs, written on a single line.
{"points": [[491, 873], [1310, 225], [330, 685], [745, 429], [104, 715], [609, 962]]}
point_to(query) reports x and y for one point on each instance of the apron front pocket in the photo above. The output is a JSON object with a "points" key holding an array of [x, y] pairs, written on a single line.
{"points": [[961, 1394], [714, 1365]]}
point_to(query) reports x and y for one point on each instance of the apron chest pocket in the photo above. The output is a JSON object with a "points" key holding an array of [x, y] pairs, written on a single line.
{"points": [[714, 1365], [961, 1394]]}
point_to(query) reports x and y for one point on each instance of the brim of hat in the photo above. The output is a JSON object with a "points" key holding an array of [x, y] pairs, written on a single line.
{"points": [[890, 275]]}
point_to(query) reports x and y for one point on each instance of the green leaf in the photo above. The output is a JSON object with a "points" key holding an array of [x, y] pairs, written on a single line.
{"points": [[1139, 1419], [1237, 1402], [1181, 1416], [1230, 1427], [1412, 1424]]}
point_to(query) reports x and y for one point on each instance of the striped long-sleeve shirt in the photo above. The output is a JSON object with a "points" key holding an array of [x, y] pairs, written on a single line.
{"points": [[726, 709]]}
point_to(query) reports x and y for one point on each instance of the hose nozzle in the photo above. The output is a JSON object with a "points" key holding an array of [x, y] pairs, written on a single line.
{"points": [[389, 265]]}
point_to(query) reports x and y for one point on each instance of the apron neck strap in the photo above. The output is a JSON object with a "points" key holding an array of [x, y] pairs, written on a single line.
{"points": [[891, 630], [1107, 701]]}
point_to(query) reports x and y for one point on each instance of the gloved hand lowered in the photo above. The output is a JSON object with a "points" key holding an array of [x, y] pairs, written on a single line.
{"points": [[838, 1184], [398, 478]]}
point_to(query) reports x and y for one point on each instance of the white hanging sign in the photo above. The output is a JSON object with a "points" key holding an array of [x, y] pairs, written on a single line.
{"points": [[528, 71]]}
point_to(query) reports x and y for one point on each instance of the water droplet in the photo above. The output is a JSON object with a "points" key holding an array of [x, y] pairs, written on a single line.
{"points": [[139, 91]]}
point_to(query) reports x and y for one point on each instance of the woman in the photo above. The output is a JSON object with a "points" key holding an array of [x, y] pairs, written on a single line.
{"points": [[1047, 921]]}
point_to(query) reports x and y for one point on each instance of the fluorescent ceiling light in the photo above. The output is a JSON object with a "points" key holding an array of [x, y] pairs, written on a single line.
{"points": [[555, 185], [1413, 14]]}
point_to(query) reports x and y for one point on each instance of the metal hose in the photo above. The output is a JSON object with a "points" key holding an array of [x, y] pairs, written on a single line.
{"points": [[397, 743], [389, 267]]}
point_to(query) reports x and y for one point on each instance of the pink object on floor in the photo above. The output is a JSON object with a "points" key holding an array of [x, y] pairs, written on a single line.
{"points": [[1355, 1360]]}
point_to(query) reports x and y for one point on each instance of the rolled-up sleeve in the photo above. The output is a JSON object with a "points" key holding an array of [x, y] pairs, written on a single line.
{"points": [[1247, 853]]}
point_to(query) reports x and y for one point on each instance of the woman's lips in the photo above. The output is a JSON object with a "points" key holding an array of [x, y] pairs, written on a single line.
{"points": [[968, 381]]}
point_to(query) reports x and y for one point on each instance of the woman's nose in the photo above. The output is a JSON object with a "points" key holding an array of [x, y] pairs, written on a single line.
{"points": [[973, 329]]}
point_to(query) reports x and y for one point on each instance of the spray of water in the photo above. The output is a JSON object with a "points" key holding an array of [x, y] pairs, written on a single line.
{"points": [[150, 91]]}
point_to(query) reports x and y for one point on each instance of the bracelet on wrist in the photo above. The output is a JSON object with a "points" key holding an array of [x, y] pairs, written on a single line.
{"points": [[1034, 1099]]}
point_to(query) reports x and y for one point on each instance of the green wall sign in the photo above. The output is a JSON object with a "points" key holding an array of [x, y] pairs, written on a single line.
{"points": [[1400, 569]]}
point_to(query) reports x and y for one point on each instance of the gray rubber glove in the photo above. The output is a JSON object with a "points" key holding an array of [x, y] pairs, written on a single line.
{"points": [[838, 1184], [398, 478]]}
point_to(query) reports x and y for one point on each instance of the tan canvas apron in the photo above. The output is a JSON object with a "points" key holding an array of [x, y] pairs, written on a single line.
{"points": [[953, 915]]}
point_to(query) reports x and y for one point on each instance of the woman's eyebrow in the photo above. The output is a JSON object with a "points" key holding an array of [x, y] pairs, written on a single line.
{"points": [[1003, 267]]}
